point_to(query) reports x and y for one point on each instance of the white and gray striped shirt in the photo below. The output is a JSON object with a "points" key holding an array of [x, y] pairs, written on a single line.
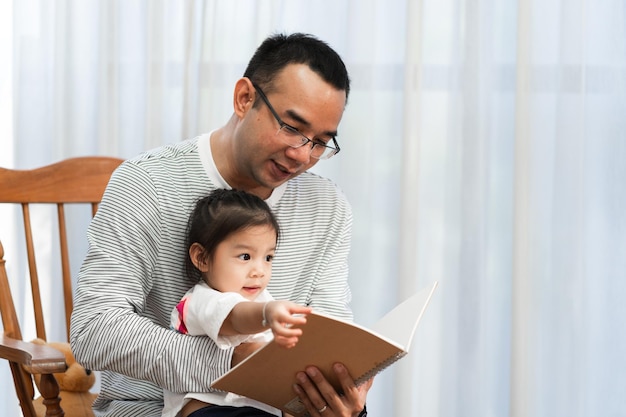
{"points": [[133, 274]]}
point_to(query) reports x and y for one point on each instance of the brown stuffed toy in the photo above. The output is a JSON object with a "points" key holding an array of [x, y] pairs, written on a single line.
{"points": [[76, 378], [74, 384]]}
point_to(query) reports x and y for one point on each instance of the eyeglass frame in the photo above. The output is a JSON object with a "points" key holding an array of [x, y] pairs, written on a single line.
{"points": [[282, 124]]}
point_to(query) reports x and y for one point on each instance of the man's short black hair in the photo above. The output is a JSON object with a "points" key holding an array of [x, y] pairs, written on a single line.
{"points": [[280, 50]]}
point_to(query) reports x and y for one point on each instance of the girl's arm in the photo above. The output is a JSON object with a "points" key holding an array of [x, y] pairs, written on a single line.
{"points": [[280, 316]]}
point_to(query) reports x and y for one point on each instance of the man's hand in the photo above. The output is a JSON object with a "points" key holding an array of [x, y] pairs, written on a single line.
{"points": [[321, 399]]}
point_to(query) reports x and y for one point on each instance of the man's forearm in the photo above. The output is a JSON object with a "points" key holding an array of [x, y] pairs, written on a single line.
{"points": [[133, 346]]}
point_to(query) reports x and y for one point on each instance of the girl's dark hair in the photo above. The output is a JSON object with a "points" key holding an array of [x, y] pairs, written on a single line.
{"points": [[220, 214], [280, 50]]}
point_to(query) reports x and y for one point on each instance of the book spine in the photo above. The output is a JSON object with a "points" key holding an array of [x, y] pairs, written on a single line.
{"points": [[378, 368]]}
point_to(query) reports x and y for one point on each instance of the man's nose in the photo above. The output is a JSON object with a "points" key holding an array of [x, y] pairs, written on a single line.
{"points": [[301, 154]]}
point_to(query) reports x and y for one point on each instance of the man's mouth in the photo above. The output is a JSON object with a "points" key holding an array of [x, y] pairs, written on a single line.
{"points": [[282, 172]]}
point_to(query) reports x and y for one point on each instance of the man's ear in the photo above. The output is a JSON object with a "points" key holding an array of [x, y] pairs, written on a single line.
{"points": [[244, 95], [199, 257]]}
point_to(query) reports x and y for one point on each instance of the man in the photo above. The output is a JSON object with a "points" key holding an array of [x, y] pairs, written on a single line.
{"points": [[287, 109]]}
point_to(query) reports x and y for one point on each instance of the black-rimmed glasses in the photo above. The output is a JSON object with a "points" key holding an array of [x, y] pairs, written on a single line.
{"points": [[293, 138]]}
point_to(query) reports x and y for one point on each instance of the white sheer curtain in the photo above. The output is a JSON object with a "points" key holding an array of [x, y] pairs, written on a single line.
{"points": [[483, 146]]}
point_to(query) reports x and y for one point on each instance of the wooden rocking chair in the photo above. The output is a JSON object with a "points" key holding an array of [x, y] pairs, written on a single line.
{"points": [[75, 180]]}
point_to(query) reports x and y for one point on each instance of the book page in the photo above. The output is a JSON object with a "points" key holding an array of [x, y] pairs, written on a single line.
{"points": [[400, 323]]}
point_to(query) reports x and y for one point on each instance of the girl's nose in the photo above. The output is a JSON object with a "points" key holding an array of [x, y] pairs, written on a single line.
{"points": [[258, 271]]}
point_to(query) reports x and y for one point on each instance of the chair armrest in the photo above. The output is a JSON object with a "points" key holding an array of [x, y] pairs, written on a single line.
{"points": [[36, 359]]}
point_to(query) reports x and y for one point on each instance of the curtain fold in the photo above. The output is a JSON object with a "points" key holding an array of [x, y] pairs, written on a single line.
{"points": [[523, 318], [483, 146], [406, 390]]}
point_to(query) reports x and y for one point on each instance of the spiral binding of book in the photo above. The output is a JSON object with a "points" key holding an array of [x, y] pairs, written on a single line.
{"points": [[379, 368]]}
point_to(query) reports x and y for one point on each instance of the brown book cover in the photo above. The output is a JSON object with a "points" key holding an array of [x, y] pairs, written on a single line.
{"points": [[269, 373]]}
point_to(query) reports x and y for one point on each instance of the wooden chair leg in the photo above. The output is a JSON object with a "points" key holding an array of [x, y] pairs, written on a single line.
{"points": [[49, 389]]}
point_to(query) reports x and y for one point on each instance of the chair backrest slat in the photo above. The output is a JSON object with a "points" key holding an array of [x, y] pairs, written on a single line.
{"points": [[26, 390], [33, 273], [65, 268], [9, 316]]}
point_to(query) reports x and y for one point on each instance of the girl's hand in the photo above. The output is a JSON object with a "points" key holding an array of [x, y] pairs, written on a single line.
{"points": [[281, 317]]}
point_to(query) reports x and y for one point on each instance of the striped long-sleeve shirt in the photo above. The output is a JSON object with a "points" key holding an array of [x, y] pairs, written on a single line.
{"points": [[133, 274]]}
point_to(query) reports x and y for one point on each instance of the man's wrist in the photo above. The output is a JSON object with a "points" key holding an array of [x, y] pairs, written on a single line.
{"points": [[363, 412]]}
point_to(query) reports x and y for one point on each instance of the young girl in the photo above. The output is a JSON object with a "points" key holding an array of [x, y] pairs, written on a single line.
{"points": [[231, 240]]}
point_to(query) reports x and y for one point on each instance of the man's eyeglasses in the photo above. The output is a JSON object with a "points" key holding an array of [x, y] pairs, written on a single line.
{"points": [[292, 136]]}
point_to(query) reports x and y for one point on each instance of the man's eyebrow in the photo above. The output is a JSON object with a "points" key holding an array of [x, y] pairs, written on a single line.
{"points": [[301, 120]]}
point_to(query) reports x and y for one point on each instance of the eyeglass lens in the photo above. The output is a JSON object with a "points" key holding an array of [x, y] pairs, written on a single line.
{"points": [[295, 139]]}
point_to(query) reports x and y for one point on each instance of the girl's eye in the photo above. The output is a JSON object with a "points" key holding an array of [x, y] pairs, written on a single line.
{"points": [[269, 258], [244, 256]]}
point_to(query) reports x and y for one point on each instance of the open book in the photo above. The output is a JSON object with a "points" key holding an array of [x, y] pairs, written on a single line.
{"points": [[269, 373]]}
